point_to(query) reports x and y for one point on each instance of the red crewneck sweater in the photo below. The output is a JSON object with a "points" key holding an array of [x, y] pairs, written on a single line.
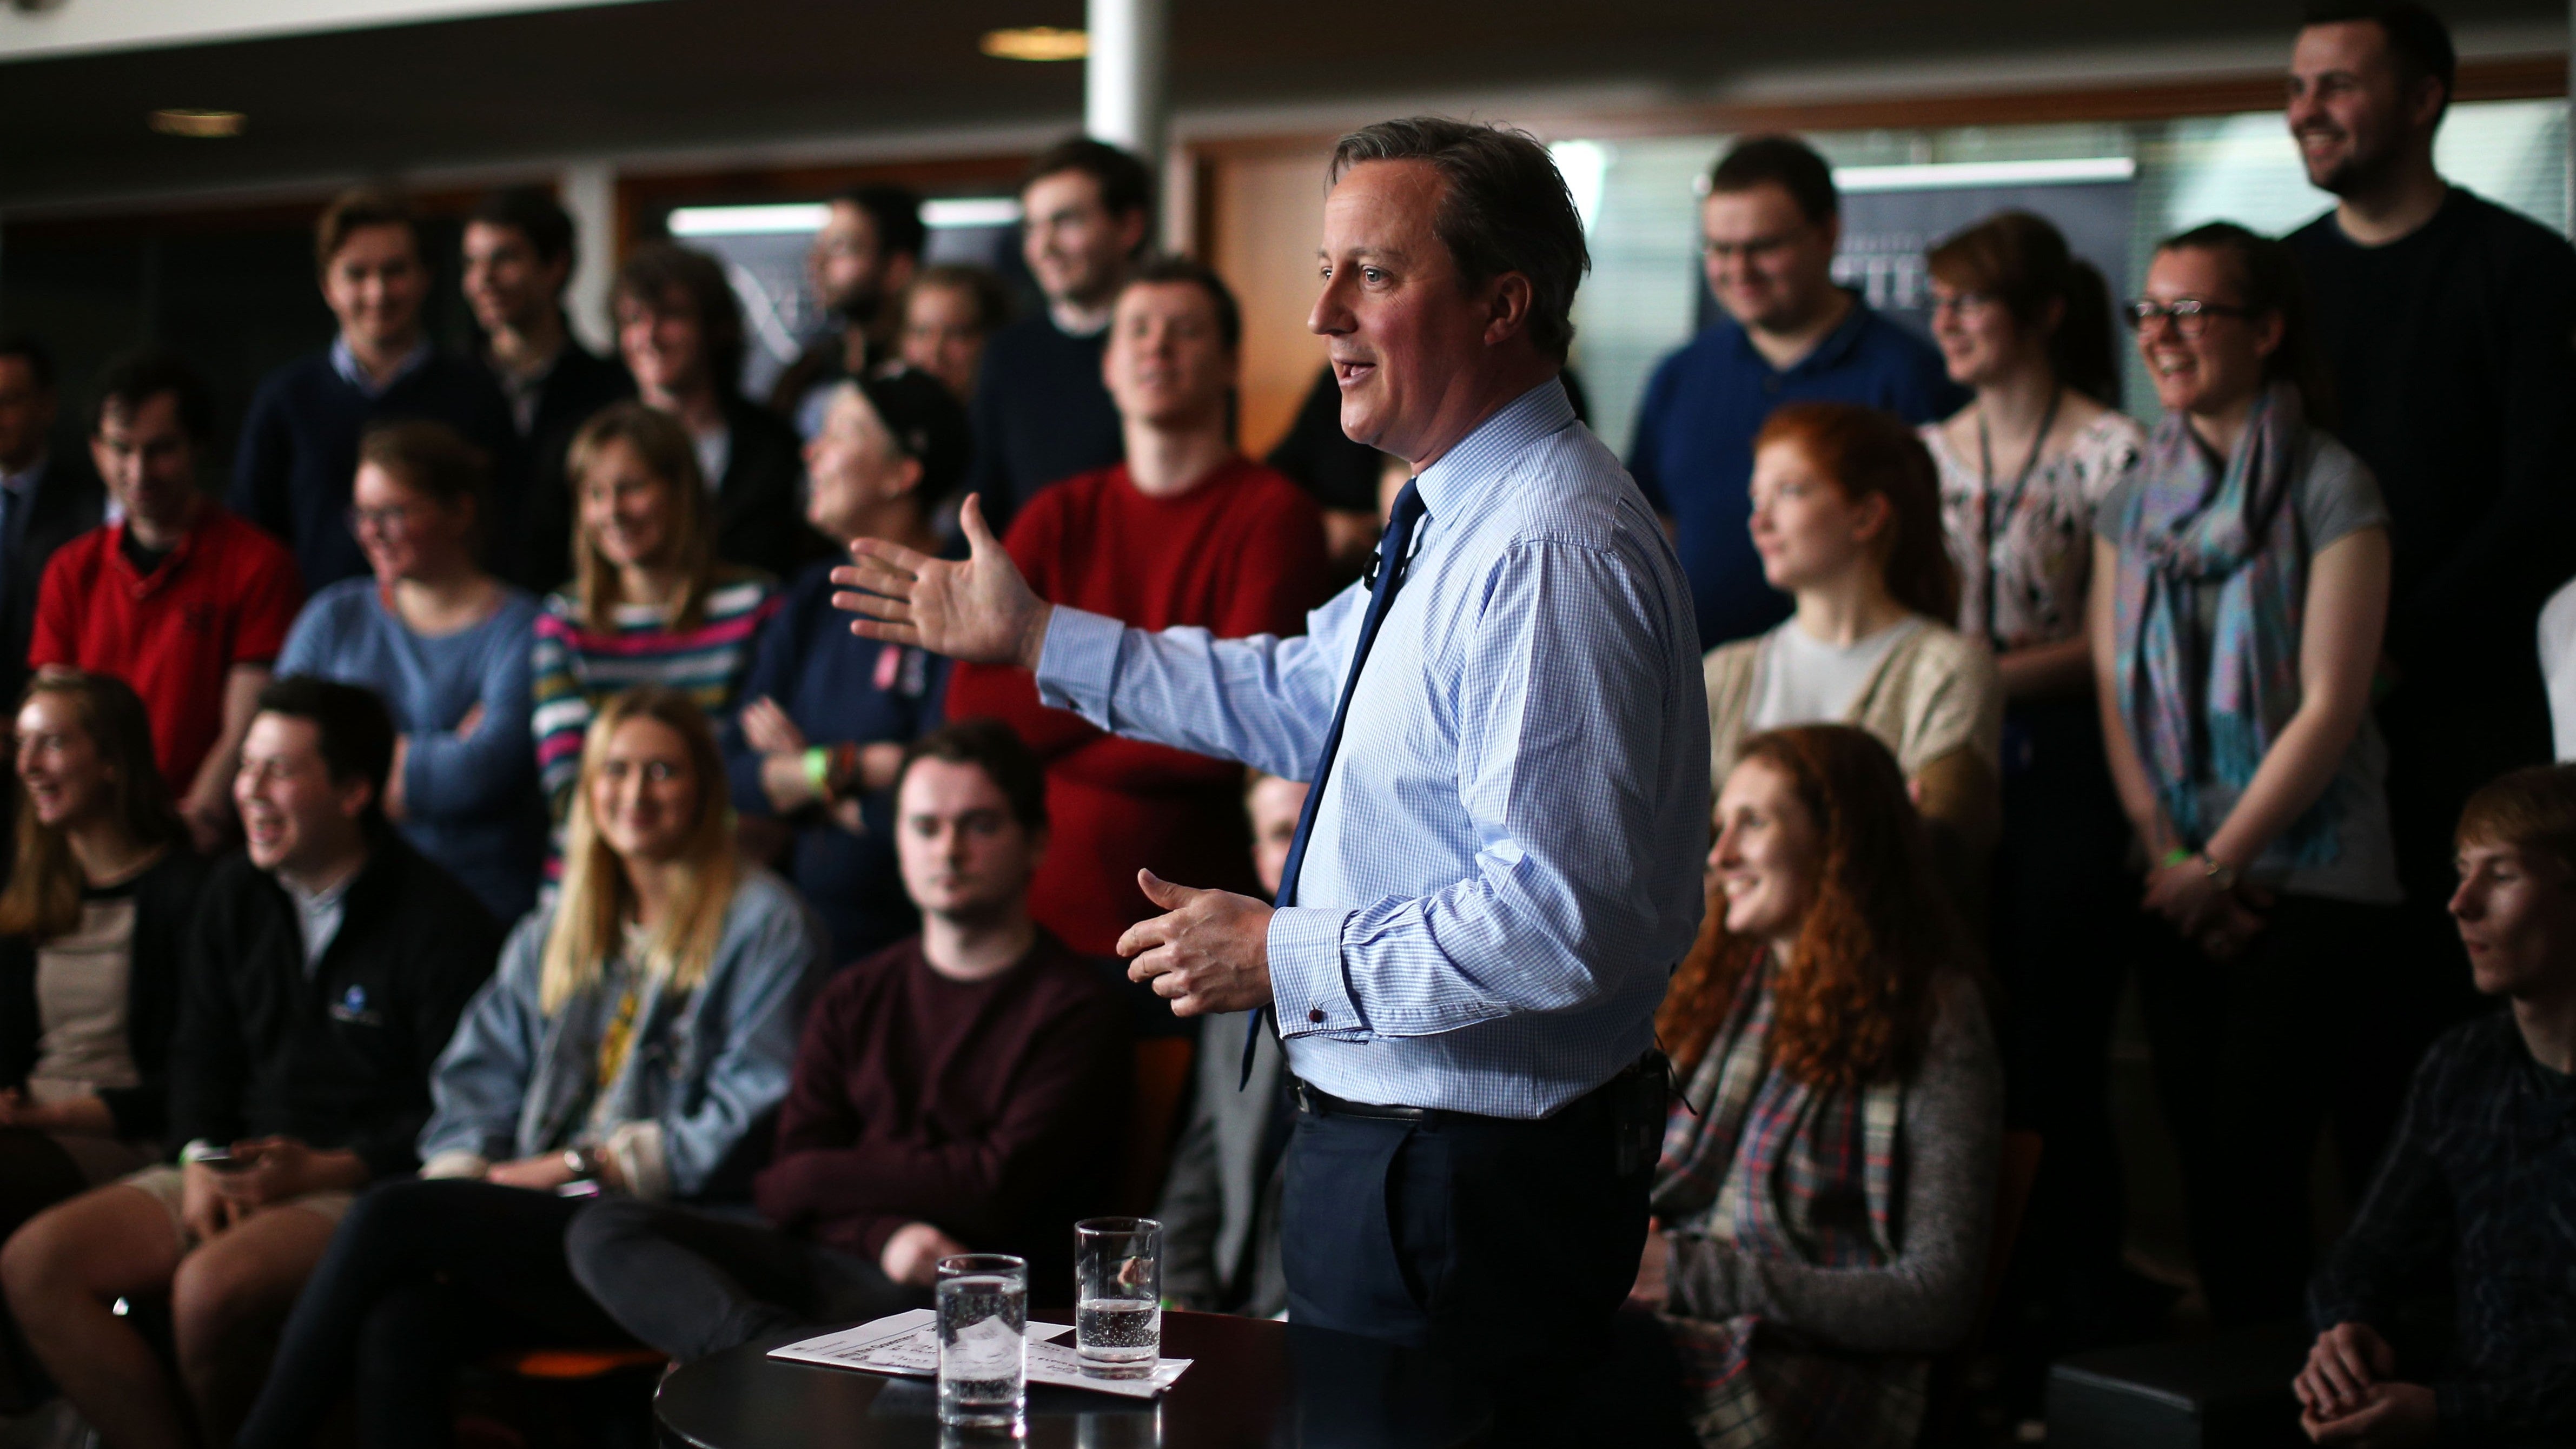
{"points": [[1241, 553]]}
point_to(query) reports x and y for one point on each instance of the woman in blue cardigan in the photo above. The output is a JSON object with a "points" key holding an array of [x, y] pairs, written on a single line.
{"points": [[636, 1032]]}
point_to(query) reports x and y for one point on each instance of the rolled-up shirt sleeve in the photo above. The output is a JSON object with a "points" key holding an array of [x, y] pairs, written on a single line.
{"points": [[1549, 676]]}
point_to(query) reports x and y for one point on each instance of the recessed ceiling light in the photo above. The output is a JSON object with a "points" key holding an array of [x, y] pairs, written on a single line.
{"points": [[198, 123], [1037, 42]]}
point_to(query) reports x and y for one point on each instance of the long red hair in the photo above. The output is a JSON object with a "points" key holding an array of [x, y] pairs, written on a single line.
{"points": [[1854, 1002]]}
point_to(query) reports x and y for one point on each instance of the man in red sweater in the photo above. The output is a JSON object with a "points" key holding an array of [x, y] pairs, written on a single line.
{"points": [[962, 1091], [1186, 531], [183, 600]]}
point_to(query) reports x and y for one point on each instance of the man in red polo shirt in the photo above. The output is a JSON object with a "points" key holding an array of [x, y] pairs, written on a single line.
{"points": [[178, 598], [1186, 531]]}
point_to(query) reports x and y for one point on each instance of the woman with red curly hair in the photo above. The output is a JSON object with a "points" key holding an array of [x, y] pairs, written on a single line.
{"points": [[1828, 1176], [1847, 518]]}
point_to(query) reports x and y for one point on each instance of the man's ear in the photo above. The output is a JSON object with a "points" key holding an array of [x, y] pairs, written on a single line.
{"points": [[1132, 227], [2424, 101], [356, 795], [1507, 307]]}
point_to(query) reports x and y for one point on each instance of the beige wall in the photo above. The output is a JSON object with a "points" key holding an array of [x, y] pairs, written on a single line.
{"points": [[1263, 216]]}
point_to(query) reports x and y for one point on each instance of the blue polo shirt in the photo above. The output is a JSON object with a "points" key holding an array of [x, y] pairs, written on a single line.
{"points": [[1693, 453]]}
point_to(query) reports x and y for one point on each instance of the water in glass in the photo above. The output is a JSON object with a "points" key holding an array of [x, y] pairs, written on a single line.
{"points": [[1118, 1296], [983, 1340]]}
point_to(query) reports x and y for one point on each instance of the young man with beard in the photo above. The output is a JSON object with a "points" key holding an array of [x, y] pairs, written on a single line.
{"points": [[2448, 325], [518, 259], [863, 259]]}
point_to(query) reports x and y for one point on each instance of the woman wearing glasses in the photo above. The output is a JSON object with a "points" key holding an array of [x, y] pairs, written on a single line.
{"points": [[446, 646], [2240, 581], [2027, 325]]}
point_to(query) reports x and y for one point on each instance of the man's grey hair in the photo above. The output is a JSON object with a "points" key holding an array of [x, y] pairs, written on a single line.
{"points": [[1504, 209]]}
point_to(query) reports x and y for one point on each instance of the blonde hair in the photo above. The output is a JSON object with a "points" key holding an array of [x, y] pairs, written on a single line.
{"points": [[43, 896], [668, 454], [590, 916]]}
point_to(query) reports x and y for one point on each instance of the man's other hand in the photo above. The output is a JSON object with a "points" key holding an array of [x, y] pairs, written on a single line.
{"points": [[1209, 950]]}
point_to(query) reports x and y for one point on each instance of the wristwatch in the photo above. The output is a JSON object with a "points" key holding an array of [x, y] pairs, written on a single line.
{"points": [[2221, 874], [582, 1162]]}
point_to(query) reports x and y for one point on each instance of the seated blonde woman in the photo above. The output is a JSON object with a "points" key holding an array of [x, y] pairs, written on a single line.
{"points": [[1827, 1178], [1847, 517], [638, 1030]]}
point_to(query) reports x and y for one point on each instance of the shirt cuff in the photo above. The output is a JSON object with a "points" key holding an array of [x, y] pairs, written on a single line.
{"points": [[1078, 663], [641, 1162], [1308, 992], [456, 1163]]}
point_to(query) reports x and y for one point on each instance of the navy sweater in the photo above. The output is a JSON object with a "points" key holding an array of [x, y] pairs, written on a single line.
{"points": [[1041, 415], [839, 689], [299, 449]]}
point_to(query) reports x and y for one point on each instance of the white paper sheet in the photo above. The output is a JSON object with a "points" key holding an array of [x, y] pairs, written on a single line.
{"points": [[907, 1344]]}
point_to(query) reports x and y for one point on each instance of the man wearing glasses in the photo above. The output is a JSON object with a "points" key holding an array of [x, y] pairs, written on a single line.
{"points": [[1768, 232]]}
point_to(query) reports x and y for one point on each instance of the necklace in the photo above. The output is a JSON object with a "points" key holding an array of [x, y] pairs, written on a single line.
{"points": [[1986, 503]]}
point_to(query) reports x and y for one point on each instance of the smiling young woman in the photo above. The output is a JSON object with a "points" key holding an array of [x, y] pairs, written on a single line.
{"points": [[1830, 1167], [2240, 582], [649, 603]]}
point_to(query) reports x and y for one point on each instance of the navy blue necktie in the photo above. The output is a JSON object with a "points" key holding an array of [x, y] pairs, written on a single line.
{"points": [[1385, 577]]}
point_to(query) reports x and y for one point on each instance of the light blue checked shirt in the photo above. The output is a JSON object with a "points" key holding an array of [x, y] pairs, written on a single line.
{"points": [[1507, 862]]}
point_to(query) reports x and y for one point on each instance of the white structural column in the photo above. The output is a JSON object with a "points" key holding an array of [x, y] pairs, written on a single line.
{"points": [[589, 193], [1124, 95]]}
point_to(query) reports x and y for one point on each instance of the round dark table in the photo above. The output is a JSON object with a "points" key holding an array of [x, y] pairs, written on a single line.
{"points": [[1253, 1384]]}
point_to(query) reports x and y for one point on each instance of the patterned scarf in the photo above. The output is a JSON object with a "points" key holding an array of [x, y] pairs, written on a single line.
{"points": [[1777, 1169], [2205, 704]]}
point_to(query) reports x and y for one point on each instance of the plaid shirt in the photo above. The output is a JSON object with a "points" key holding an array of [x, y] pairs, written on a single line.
{"points": [[2479, 1189]]}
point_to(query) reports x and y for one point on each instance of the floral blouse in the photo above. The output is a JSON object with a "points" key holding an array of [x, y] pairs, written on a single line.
{"points": [[2039, 546]]}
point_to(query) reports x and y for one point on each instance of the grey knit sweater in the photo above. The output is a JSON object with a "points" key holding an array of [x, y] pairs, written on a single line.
{"points": [[1924, 1300]]}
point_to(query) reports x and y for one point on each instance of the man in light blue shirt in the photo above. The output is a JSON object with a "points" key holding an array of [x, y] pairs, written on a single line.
{"points": [[1500, 864]]}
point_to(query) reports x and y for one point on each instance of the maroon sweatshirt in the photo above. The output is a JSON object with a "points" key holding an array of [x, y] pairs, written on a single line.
{"points": [[994, 1111]]}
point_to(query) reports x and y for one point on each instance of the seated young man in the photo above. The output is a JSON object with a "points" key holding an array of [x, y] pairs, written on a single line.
{"points": [[179, 598], [961, 1091], [325, 970], [2471, 1210]]}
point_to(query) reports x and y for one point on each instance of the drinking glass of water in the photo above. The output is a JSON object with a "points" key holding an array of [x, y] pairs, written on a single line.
{"points": [[1118, 1296], [983, 1340]]}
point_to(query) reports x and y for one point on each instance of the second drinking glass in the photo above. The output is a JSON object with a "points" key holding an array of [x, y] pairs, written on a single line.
{"points": [[1118, 1296]]}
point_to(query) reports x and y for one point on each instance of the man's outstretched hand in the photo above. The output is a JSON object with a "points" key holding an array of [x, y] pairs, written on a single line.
{"points": [[980, 610], [1208, 951]]}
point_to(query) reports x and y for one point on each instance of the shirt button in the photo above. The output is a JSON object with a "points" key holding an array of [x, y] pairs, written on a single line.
{"points": [[1315, 1015]]}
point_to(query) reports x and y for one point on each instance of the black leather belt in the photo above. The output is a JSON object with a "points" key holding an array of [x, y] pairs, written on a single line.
{"points": [[1314, 1101]]}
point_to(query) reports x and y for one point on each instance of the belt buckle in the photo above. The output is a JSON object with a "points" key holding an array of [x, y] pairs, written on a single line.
{"points": [[1304, 1096]]}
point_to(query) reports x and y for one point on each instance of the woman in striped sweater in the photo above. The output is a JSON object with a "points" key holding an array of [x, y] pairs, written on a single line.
{"points": [[649, 602]]}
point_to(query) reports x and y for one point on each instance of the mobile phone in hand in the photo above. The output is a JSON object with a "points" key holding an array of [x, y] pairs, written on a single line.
{"points": [[225, 1162]]}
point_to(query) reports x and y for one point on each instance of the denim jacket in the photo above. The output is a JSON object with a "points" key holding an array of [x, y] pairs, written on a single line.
{"points": [[705, 1067]]}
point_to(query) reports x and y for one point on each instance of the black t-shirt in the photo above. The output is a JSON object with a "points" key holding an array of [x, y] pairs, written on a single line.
{"points": [[2452, 352]]}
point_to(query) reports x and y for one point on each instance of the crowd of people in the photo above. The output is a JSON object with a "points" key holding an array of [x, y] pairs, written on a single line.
{"points": [[471, 889]]}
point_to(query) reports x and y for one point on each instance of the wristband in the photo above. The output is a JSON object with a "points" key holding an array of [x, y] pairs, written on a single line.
{"points": [[2174, 857], [818, 771]]}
